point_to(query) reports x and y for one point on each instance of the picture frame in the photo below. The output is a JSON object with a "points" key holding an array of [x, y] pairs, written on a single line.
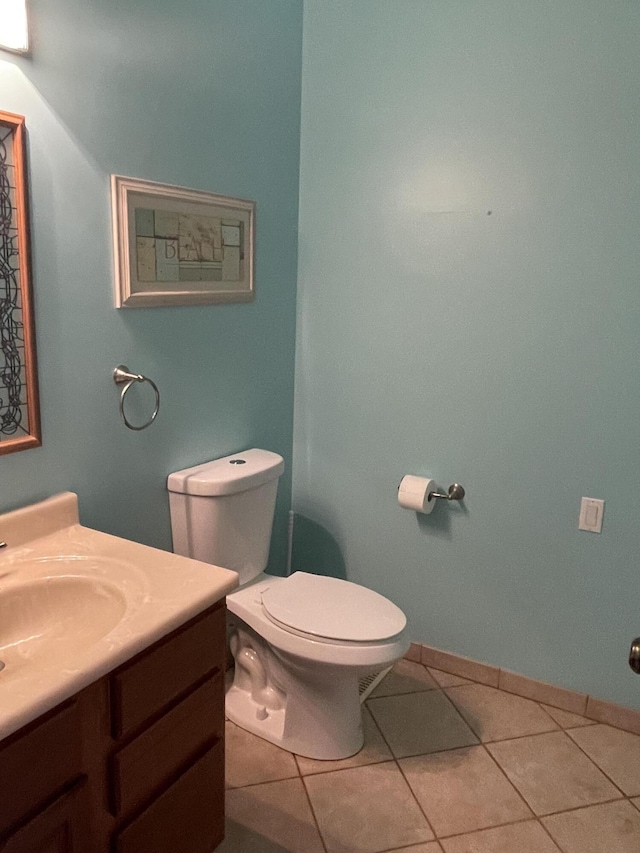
{"points": [[19, 400], [178, 246]]}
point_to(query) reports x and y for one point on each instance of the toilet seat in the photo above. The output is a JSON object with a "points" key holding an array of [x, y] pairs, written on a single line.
{"points": [[327, 608], [246, 602]]}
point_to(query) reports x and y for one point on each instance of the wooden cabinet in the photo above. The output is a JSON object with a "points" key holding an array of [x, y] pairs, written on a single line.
{"points": [[132, 764]]}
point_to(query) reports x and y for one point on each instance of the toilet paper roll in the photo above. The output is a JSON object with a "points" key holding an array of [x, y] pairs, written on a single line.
{"points": [[413, 493]]}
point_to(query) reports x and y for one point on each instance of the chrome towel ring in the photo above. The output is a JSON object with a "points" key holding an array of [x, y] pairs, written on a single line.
{"points": [[123, 376]]}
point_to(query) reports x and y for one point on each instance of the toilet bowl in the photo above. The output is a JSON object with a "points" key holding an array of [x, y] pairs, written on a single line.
{"points": [[302, 643], [301, 646]]}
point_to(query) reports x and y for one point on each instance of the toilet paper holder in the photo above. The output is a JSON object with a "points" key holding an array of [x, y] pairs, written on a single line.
{"points": [[455, 493]]}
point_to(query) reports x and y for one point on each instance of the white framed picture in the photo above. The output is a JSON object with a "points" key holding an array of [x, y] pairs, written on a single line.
{"points": [[179, 246]]}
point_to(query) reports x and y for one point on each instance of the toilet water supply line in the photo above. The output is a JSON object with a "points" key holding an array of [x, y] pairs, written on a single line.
{"points": [[292, 517]]}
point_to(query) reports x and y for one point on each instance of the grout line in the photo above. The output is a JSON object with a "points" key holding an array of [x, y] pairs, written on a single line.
{"points": [[597, 766], [582, 808], [542, 708], [558, 731], [464, 722], [427, 689], [522, 737], [533, 819], [561, 811], [556, 725], [470, 746], [512, 784], [534, 816], [264, 782], [557, 843], [313, 815], [501, 825], [417, 801], [413, 847], [341, 769], [572, 726], [396, 762]]}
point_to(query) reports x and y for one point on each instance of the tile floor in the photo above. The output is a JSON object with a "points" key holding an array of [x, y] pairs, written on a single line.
{"points": [[448, 766]]}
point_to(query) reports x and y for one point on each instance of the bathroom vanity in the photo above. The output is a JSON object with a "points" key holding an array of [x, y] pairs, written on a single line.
{"points": [[116, 744]]}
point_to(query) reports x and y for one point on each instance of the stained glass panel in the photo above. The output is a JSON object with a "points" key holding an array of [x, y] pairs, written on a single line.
{"points": [[19, 412]]}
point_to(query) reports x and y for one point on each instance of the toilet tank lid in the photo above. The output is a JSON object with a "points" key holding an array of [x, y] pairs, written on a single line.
{"points": [[228, 475]]}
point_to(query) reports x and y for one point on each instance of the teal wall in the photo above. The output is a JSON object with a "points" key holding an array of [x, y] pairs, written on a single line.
{"points": [[201, 93], [469, 308], [434, 337]]}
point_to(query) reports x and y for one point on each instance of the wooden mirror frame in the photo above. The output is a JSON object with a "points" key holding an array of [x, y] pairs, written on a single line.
{"points": [[19, 403]]}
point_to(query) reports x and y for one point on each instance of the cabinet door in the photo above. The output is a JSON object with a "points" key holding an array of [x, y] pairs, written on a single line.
{"points": [[60, 828]]}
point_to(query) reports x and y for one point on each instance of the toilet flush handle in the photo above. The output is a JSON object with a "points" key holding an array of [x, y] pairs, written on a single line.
{"points": [[634, 655]]}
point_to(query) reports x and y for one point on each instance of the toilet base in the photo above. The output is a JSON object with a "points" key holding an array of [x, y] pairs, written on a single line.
{"points": [[304, 707]]}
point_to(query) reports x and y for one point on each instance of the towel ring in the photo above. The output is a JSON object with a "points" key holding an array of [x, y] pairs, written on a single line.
{"points": [[123, 376]]}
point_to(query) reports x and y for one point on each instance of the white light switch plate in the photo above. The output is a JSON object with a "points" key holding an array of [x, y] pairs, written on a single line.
{"points": [[591, 512]]}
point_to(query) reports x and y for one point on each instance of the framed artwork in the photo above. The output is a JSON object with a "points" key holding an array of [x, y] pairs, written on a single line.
{"points": [[177, 246], [19, 404]]}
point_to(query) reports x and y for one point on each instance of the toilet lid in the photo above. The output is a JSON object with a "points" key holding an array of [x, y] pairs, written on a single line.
{"points": [[333, 609]]}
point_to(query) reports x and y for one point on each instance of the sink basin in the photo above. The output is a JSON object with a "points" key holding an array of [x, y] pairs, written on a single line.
{"points": [[76, 604], [52, 619]]}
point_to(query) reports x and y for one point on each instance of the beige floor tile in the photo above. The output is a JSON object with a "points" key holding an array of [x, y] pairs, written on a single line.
{"points": [[551, 773], [462, 790], [270, 818], [527, 837], [495, 715], [610, 828], [567, 720], [636, 802], [366, 809], [447, 679], [617, 753], [429, 847], [417, 723], [250, 759], [405, 677], [373, 751], [242, 839]]}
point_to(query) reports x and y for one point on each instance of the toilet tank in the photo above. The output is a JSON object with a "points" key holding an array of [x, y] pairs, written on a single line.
{"points": [[222, 511]]}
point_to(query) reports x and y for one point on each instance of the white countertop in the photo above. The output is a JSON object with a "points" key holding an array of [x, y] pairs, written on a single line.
{"points": [[154, 593]]}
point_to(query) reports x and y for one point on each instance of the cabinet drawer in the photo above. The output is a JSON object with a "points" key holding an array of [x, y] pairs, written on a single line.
{"points": [[179, 821], [144, 767], [157, 677], [41, 761]]}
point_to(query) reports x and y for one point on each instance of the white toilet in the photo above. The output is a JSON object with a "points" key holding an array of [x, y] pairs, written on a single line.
{"points": [[303, 643]]}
